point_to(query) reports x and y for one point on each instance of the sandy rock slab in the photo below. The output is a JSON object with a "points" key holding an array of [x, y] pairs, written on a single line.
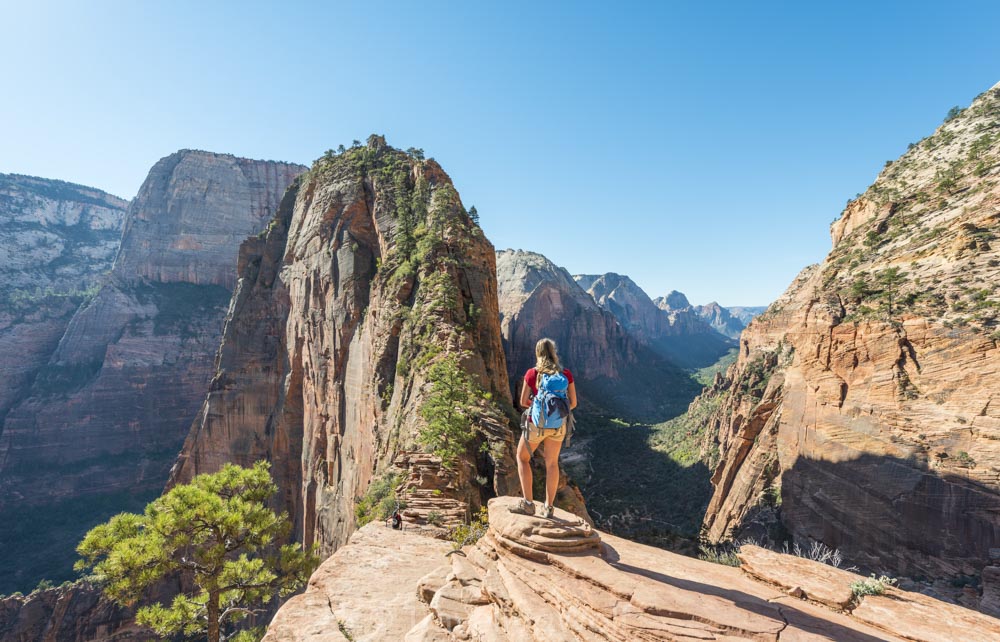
{"points": [[557, 579], [368, 588]]}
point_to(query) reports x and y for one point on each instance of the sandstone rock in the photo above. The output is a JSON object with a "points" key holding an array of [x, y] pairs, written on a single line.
{"points": [[619, 591], [370, 270], [800, 577], [864, 401], [367, 587], [919, 617], [991, 591]]}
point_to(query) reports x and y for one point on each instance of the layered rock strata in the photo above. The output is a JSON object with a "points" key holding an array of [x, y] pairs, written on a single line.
{"points": [[371, 273], [57, 240], [103, 419], [863, 409], [530, 578]]}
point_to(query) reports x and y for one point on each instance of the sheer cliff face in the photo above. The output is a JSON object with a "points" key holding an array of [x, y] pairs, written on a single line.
{"points": [[668, 326], [628, 302], [371, 272], [539, 299], [56, 241], [867, 398], [615, 371], [103, 419]]}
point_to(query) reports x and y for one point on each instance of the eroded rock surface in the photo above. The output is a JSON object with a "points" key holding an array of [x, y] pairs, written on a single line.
{"points": [[367, 589], [370, 273], [531, 578]]}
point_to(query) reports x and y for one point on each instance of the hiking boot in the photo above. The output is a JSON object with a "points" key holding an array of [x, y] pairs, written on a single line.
{"points": [[523, 507], [546, 511]]}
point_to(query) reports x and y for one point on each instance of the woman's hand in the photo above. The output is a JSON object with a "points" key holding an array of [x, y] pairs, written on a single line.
{"points": [[525, 395], [571, 393]]}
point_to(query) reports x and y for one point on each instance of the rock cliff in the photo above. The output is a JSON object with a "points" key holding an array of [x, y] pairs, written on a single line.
{"points": [[529, 578], [616, 372], [371, 273], [863, 409], [103, 419], [668, 325], [57, 240], [721, 320]]}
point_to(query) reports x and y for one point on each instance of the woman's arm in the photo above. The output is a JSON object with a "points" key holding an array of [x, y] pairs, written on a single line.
{"points": [[571, 393], [525, 395]]}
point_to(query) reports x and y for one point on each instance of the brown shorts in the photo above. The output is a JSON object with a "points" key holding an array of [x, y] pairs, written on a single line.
{"points": [[537, 435]]}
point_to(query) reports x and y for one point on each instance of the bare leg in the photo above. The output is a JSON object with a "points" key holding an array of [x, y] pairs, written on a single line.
{"points": [[524, 451], [551, 452]]}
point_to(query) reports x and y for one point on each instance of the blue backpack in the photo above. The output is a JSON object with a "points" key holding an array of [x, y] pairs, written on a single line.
{"points": [[550, 406]]}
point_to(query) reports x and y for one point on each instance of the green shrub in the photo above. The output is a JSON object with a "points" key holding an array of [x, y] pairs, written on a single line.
{"points": [[871, 586], [379, 501], [470, 533]]}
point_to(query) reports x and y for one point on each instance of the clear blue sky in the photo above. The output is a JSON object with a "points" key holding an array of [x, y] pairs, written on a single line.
{"points": [[703, 147]]}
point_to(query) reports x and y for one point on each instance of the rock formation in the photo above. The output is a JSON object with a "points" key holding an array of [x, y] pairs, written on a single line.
{"points": [[104, 418], [615, 372], [530, 578], [863, 409], [746, 313], [370, 274], [721, 320], [668, 325], [56, 241]]}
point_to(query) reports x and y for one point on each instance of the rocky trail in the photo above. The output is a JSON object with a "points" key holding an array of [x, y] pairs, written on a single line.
{"points": [[531, 578]]}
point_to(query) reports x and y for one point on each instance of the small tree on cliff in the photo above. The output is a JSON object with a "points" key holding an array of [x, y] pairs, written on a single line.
{"points": [[217, 530], [450, 409]]}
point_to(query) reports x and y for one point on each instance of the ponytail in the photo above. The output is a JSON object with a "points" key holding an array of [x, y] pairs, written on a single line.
{"points": [[546, 358]]}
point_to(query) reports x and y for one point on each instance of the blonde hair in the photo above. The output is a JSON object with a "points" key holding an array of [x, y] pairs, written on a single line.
{"points": [[546, 358]]}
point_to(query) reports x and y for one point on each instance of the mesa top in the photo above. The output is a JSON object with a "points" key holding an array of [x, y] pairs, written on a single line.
{"points": [[531, 378]]}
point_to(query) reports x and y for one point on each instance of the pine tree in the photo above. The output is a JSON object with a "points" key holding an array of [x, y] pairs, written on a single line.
{"points": [[474, 214], [450, 410], [217, 530]]}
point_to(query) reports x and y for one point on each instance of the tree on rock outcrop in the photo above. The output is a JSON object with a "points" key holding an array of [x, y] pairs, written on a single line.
{"points": [[217, 530]]}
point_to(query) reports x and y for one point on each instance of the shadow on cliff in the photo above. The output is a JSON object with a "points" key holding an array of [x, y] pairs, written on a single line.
{"points": [[904, 516]]}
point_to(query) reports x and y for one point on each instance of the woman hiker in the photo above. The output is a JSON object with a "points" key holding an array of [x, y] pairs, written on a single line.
{"points": [[545, 426]]}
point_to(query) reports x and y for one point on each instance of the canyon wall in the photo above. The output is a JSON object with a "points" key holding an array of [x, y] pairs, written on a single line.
{"points": [[668, 325], [863, 409], [616, 372], [102, 421], [57, 240]]}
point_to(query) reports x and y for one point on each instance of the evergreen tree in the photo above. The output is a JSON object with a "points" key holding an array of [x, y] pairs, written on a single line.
{"points": [[450, 409], [217, 530], [474, 214]]}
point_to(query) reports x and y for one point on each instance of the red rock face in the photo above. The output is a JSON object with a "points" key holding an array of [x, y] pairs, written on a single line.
{"points": [[865, 399], [371, 270], [106, 414], [614, 370]]}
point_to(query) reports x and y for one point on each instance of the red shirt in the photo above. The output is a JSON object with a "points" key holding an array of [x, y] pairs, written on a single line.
{"points": [[531, 378]]}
